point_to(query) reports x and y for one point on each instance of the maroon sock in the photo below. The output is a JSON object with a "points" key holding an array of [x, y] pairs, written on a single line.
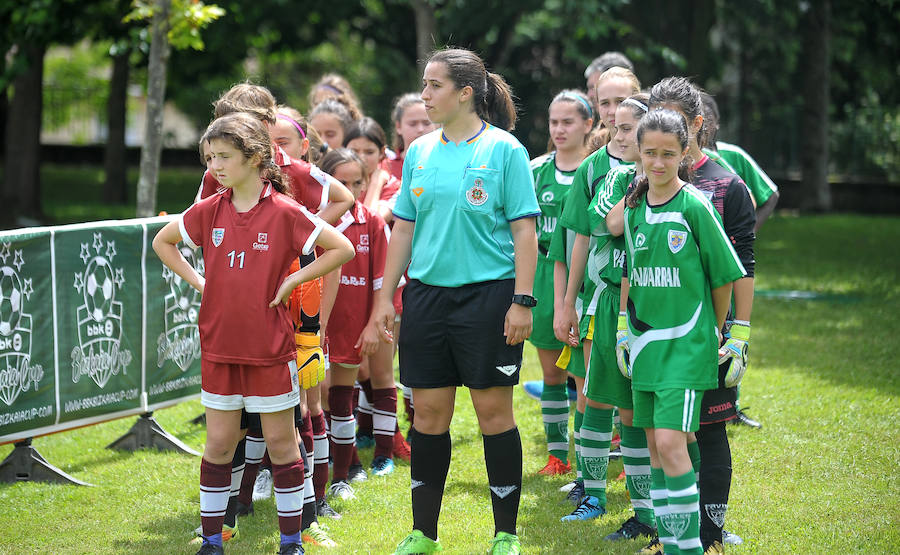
{"points": [[320, 455], [384, 414], [364, 419], [215, 487], [288, 480], [343, 427], [306, 434], [254, 454], [354, 457]]}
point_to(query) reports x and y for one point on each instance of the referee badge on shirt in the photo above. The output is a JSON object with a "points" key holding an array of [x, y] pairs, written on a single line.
{"points": [[477, 195], [218, 233], [677, 239]]}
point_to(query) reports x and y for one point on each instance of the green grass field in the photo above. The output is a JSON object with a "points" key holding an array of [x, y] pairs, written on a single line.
{"points": [[820, 477]]}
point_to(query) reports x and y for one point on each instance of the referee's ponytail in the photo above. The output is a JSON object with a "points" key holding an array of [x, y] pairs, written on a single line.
{"points": [[492, 96]]}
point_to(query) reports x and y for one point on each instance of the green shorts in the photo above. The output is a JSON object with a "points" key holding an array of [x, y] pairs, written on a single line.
{"points": [[576, 362], [672, 409], [604, 382], [542, 335]]}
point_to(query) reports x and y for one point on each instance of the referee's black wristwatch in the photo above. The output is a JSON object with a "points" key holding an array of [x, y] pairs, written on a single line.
{"points": [[525, 300]]}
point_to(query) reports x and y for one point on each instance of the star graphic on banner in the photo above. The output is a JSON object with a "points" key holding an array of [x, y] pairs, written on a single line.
{"points": [[4, 252], [27, 288], [110, 250], [18, 260], [120, 277], [85, 253], [98, 242], [79, 282]]}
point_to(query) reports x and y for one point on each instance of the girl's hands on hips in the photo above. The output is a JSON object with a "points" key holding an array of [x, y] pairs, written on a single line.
{"points": [[517, 324], [284, 292]]}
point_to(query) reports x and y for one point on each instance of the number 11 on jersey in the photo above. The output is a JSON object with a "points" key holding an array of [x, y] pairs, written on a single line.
{"points": [[240, 257]]}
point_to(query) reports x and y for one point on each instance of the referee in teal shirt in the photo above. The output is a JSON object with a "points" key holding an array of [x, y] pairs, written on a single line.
{"points": [[465, 225]]}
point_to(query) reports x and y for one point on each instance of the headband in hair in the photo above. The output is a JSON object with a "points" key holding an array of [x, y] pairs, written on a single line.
{"points": [[331, 88], [571, 96], [293, 122], [637, 103]]}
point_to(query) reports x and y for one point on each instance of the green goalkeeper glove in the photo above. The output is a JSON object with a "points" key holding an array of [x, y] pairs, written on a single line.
{"points": [[736, 346], [622, 355]]}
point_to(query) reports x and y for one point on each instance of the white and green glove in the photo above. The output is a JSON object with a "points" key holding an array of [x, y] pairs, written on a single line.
{"points": [[737, 343], [622, 354]]}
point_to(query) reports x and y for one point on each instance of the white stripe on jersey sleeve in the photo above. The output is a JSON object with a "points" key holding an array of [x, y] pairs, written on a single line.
{"points": [[311, 241], [184, 234]]}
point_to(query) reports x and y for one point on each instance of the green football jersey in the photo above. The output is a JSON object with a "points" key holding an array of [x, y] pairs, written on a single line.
{"points": [[760, 185], [677, 254], [588, 178], [609, 255], [561, 251], [551, 185]]}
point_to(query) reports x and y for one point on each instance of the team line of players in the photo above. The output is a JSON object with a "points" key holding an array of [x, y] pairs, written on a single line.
{"points": [[649, 344]]}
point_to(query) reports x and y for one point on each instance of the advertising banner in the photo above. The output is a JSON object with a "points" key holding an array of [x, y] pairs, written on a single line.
{"points": [[92, 327]]}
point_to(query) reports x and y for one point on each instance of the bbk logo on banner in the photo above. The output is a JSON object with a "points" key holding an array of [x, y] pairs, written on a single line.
{"points": [[98, 354], [180, 343], [17, 373]]}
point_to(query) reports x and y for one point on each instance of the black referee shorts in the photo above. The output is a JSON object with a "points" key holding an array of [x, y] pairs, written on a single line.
{"points": [[452, 336]]}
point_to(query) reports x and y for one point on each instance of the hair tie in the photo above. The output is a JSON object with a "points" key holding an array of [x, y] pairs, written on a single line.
{"points": [[331, 88], [637, 103], [290, 119], [587, 105]]}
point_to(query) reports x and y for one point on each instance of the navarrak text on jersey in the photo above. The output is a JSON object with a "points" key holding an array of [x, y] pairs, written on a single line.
{"points": [[656, 276]]}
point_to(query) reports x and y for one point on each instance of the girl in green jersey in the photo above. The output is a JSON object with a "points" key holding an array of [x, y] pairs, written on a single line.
{"points": [[680, 272], [570, 122]]}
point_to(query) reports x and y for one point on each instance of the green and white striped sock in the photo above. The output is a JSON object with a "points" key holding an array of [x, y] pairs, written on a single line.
{"points": [[660, 498], [555, 414], [596, 434], [579, 419], [636, 457], [683, 518]]}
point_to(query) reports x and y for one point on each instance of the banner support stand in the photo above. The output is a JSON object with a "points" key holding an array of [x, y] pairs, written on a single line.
{"points": [[26, 464], [147, 432]]}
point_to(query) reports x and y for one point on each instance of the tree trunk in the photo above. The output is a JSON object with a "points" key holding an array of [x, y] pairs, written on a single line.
{"points": [[115, 189], [426, 31], [156, 93], [21, 195], [814, 117]]}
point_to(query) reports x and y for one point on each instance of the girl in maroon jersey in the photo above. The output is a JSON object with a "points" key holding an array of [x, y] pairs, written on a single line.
{"points": [[359, 281], [250, 233], [410, 122]]}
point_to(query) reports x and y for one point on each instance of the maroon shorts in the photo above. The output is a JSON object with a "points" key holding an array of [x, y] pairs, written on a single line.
{"points": [[255, 388]]}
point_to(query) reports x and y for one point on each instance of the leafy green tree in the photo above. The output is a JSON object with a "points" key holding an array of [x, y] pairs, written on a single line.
{"points": [[174, 23]]}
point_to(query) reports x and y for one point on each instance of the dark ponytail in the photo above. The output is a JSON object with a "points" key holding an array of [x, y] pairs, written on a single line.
{"points": [[665, 121], [491, 94]]}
